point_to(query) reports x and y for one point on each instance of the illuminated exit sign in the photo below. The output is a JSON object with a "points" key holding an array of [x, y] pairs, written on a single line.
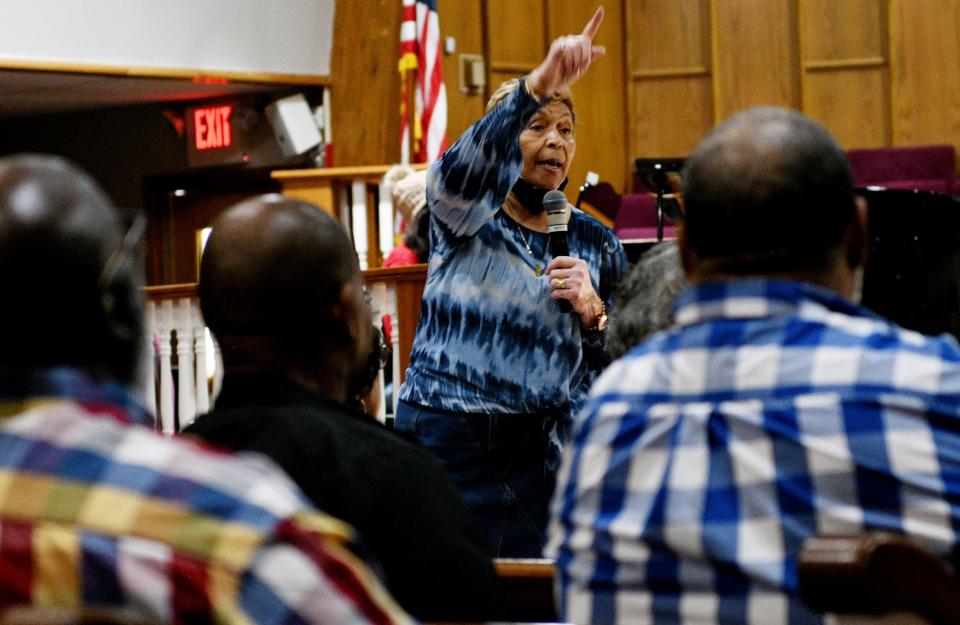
{"points": [[211, 127], [212, 135]]}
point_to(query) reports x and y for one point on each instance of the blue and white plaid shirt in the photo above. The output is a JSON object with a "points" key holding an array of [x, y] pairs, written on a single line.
{"points": [[769, 412]]}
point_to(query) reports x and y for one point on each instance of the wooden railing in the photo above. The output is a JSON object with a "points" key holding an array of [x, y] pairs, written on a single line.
{"points": [[176, 337], [352, 195]]}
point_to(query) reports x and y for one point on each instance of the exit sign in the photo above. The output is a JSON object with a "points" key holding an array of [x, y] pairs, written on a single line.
{"points": [[211, 127], [211, 136]]}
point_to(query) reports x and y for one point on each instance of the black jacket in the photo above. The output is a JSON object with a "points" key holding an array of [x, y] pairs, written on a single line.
{"points": [[405, 506]]}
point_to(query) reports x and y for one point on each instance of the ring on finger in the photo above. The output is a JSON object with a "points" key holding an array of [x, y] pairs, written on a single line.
{"points": [[560, 283]]}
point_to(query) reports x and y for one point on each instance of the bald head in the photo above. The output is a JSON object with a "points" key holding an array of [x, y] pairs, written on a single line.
{"points": [[769, 190], [57, 232], [284, 271]]}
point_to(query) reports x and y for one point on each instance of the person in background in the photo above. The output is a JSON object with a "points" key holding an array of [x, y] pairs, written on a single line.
{"points": [[294, 328], [497, 368], [101, 518], [409, 199], [644, 300], [774, 408]]}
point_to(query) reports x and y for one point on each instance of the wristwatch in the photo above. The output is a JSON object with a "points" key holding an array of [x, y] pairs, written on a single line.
{"points": [[601, 323]]}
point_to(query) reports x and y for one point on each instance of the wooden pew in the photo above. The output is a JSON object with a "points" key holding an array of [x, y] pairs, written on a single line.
{"points": [[888, 576], [527, 587]]}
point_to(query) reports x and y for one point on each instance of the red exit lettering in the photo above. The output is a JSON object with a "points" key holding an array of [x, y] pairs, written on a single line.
{"points": [[211, 127]]}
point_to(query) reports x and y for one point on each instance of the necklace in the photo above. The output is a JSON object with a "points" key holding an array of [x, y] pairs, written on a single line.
{"points": [[538, 269]]}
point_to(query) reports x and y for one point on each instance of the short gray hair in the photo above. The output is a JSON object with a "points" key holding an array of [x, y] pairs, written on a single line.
{"points": [[644, 300]]}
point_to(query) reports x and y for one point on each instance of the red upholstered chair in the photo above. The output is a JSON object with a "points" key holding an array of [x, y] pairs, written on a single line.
{"points": [[925, 167], [601, 201], [637, 219]]}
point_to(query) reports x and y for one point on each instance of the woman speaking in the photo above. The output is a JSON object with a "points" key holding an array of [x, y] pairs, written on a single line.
{"points": [[497, 369]]}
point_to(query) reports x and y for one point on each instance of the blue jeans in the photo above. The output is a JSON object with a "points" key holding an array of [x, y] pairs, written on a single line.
{"points": [[497, 461]]}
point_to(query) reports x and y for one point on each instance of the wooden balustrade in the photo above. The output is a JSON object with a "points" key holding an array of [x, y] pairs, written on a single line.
{"points": [[352, 195], [174, 326]]}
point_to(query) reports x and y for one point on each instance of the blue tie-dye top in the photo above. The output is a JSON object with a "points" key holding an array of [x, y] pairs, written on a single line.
{"points": [[490, 339]]}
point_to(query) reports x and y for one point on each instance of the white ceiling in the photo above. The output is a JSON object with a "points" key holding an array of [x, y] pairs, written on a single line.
{"points": [[31, 93]]}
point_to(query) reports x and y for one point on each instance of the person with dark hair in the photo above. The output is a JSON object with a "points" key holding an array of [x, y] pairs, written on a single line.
{"points": [[644, 300], [498, 368], [281, 290], [101, 518], [773, 409]]}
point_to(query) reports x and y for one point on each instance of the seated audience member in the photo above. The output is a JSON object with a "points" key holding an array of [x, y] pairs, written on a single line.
{"points": [[98, 513], [773, 409], [644, 300], [281, 290], [410, 200]]}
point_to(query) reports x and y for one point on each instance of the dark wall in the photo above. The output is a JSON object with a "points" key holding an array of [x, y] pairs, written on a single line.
{"points": [[117, 146]]}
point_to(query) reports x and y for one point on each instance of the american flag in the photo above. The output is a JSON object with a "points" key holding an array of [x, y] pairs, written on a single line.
{"points": [[420, 53]]}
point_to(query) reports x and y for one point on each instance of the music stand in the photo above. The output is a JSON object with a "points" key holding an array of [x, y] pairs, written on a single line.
{"points": [[654, 174]]}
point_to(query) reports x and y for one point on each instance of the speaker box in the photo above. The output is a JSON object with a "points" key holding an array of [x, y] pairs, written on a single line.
{"points": [[293, 124]]}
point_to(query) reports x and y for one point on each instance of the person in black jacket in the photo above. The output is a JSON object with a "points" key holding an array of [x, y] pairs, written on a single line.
{"points": [[281, 290]]}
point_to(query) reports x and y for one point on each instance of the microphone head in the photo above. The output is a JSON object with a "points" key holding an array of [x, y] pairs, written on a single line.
{"points": [[554, 201]]}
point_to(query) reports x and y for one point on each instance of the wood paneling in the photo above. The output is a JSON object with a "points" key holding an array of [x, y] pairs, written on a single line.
{"points": [[516, 36], [668, 35], [600, 96], [365, 83], [670, 91], [670, 116], [925, 71], [874, 72], [755, 55], [853, 104], [849, 29], [845, 75], [462, 20]]}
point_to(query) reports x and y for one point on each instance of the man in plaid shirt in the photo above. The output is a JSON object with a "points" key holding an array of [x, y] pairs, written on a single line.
{"points": [[774, 407], [100, 517]]}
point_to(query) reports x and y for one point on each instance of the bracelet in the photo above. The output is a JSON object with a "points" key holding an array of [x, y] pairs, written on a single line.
{"points": [[601, 321]]}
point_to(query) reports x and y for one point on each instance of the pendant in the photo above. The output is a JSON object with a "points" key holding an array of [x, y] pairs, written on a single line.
{"points": [[538, 271]]}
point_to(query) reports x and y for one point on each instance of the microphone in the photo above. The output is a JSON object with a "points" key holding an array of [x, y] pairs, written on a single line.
{"points": [[555, 203]]}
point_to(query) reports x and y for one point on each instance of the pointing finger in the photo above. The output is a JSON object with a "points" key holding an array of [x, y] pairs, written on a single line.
{"points": [[594, 24]]}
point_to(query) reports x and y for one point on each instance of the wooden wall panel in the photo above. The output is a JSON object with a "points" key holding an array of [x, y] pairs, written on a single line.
{"points": [[670, 88], [670, 116], [663, 36], [365, 83], [845, 73], [516, 37], [853, 104], [755, 55], [600, 96], [851, 29], [462, 20], [925, 71]]}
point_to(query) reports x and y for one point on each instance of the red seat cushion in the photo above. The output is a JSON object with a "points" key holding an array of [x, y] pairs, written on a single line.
{"points": [[926, 167]]}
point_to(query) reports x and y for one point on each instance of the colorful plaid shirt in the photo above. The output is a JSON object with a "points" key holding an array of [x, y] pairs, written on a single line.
{"points": [[97, 513], [769, 412]]}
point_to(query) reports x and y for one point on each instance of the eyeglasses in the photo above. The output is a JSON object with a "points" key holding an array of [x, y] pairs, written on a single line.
{"points": [[386, 351], [122, 253]]}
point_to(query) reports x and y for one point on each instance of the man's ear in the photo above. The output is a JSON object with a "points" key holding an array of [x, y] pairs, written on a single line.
{"points": [[857, 239], [688, 257]]}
